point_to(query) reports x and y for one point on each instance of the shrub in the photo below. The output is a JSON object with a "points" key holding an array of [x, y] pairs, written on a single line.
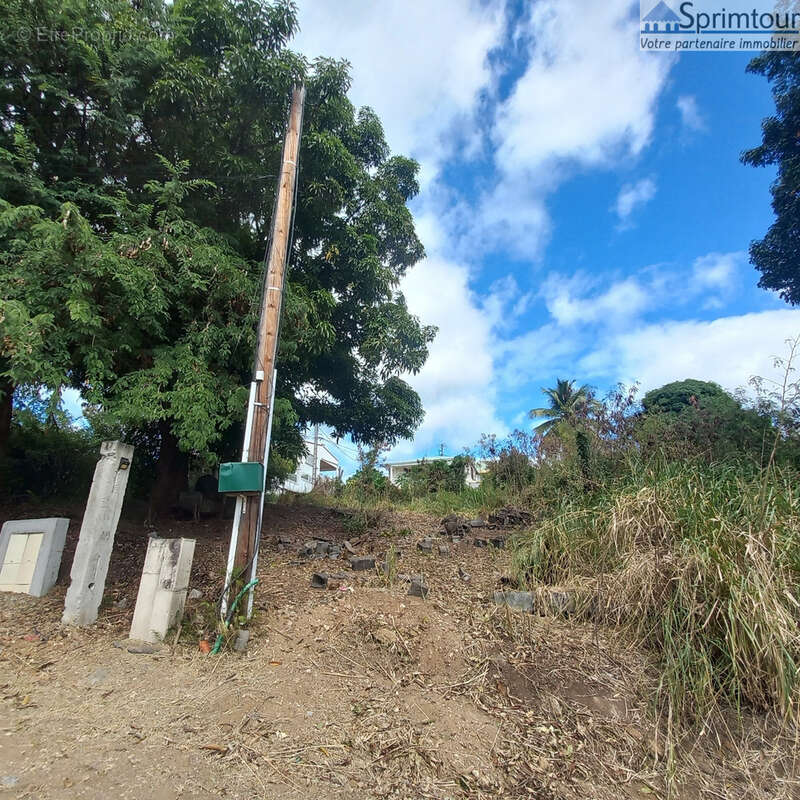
{"points": [[45, 459]]}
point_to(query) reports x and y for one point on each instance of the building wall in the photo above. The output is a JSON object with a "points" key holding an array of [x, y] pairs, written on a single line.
{"points": [[301, 480]]}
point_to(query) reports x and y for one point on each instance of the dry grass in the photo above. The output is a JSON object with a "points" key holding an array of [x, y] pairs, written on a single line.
{"points": [[704, 567]]}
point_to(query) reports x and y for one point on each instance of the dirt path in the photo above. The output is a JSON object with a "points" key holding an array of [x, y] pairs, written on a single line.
{"points": [[358, 692]]}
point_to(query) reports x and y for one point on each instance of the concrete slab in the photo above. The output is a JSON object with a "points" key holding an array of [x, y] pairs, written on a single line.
{"points": [[30, 554]]}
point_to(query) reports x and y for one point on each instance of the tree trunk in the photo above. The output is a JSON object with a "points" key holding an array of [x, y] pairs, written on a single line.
{"points": [[6, 400], [171, 473]]}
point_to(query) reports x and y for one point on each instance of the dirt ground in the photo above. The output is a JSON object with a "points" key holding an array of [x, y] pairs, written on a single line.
{"points": [[357, 692]]}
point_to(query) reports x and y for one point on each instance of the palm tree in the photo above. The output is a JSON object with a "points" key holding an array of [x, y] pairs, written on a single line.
{"points": [[565, 404]]}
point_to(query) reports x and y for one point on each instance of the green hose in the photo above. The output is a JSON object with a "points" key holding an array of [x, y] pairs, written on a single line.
{"points": [[218, 644]]}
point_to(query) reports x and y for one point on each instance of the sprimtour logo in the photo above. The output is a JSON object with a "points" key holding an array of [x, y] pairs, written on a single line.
{"points": [[704, 25]]}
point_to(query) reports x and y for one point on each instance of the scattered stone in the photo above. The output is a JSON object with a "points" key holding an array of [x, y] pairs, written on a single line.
{"points": [[385, 636], [453, 524], [362, 563], [443, 549], [559, 602], [518, 601], [510, 517], [307, 548], [477, 523], [350, 549], [334, 551], [418, 588], [425, 545], [480, 542], [285, 540], [98, 676], [321, 548], [9, 781], [463, 574], [242, 638], [195, 594], [499, 542], [319, 580]]}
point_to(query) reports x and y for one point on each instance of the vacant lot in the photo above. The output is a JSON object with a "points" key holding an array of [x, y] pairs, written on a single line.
{"points": [[360, 691]]}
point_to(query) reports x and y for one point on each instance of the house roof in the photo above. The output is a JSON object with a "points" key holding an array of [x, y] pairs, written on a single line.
{"points": [[661, 13]]}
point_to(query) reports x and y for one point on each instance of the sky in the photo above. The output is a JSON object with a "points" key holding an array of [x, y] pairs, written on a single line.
{"points": [[583, 207]]}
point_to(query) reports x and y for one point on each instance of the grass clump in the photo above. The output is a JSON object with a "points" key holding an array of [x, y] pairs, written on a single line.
{"points": [[702, 563]]}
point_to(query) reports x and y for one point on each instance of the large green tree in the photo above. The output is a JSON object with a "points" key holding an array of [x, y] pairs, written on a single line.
{"points": [[138, 150], [777, 255]]}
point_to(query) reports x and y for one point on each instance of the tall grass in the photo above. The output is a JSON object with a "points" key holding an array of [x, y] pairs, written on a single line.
{"points": [[702, 563], [483, 499]]}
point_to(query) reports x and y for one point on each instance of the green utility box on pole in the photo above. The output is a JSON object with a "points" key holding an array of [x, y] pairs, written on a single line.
{"points": [[241, 477]]}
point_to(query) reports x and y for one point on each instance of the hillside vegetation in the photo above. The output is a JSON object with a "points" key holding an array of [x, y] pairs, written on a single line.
{"points": [[674, 518]]}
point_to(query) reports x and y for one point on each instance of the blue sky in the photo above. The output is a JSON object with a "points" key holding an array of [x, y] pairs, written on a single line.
{"points": [[583, 207]]}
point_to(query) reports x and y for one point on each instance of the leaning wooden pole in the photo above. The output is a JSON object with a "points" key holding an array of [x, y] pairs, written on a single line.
{"points": [[246, 531]]}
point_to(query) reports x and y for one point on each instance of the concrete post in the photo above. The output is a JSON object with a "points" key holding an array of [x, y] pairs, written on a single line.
{"points": [[96, 539], [162, 590]]}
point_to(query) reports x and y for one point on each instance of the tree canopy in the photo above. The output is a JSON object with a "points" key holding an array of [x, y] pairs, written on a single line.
{"points": [[565, 404], [677, 396], [138, 155], [777, 255]]}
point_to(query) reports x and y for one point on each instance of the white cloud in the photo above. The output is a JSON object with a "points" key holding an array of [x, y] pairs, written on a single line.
{"points": [[717, 270], [419, 65], [586, 99], [690, 113], [632, 196], [728, 350], [620, 302], [457, 384], [586, 92]]}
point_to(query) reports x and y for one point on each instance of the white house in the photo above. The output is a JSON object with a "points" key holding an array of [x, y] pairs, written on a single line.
{"points": [[302, 479], [473, 471]]}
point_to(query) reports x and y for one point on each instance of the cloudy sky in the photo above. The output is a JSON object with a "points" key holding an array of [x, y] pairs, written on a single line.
{"points": [[584, 210]]}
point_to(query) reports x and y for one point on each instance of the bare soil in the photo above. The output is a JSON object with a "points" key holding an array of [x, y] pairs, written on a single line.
{"points": [[358, 692]]}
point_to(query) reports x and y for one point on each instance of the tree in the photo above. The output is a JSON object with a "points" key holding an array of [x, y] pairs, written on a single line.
{"points": [[680, 395], [136, 171], [565, 404], [692, 417], [777, 255]]}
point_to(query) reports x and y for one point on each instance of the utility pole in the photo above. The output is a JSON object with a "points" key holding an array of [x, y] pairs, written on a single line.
{"points": [[441, 449], [246, 531], [315, 468]]}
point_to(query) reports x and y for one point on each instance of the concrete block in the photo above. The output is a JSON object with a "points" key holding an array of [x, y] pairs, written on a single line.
{"points": [[365, 562], [518, 601], [163, 588], [96, 539], [30, 554], [418, 588]]}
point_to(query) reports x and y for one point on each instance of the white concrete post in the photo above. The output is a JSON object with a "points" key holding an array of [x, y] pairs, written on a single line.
{"points": [[96, 539], [162, 590]]}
